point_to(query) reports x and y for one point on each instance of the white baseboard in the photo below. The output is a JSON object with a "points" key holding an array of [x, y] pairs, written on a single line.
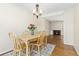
{"points": [[77, 50], [5, 52]]}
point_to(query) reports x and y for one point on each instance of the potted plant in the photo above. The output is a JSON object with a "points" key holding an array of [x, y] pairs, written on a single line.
{"points": [[32, 27]]}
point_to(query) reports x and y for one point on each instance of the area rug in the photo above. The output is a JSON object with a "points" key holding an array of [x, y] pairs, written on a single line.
{"points": [[44, 51]]}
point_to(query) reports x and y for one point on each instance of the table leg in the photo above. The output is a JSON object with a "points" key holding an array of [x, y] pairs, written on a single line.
{"points": [[27, 50]]}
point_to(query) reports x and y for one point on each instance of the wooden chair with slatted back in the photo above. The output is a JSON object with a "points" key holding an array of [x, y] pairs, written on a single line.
{"points": [[44, 35], [45, 38], [39, 43], [17, 46]]}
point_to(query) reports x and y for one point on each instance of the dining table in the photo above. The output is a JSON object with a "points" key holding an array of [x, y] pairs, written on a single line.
{"points": [[26, 38]]}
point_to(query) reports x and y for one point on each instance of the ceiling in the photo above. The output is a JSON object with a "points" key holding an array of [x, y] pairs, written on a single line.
{"points": [[51, 11]]}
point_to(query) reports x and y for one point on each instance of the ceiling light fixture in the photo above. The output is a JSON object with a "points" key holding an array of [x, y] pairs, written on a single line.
{"points": [[37, 12]]}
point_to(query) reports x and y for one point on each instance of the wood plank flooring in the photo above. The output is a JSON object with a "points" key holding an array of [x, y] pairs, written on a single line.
{"points": [[61, 49]]}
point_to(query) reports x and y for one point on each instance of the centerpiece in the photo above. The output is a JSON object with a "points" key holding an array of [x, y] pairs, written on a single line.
{"points": [[32, 27]]}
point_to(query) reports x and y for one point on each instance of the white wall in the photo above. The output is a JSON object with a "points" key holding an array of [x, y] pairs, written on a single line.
{"points": [[68, 26], [12, 19], [76, 28], [42, 24], [47, 26], [57, 25]]}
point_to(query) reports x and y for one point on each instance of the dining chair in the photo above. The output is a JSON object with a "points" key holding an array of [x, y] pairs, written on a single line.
{"points": [[18, 46], [39, 43], [45, 36]]}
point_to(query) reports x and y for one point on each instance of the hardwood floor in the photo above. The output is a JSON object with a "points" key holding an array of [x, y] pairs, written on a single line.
{"points": [[61, 49]]}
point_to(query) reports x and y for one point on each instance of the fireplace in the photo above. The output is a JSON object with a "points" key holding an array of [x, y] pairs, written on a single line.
{"points": [[56, 32]]}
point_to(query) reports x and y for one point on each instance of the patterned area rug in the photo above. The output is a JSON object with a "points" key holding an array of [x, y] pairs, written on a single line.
{"points": [[44, 51]]}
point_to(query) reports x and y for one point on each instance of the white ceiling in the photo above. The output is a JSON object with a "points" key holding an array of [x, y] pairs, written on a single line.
{"points": [[50, 10]]}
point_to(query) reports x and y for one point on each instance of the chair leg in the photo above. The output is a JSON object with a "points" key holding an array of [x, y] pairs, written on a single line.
{"points": [[19, 53], [14, 53], [31, 49], [39, 52]]}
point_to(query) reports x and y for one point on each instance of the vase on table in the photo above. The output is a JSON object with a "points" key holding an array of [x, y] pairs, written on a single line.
{"points": [[32, 32], [32, 27]]}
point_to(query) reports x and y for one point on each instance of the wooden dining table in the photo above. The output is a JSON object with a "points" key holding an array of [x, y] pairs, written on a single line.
{"points": [[26, 39]]}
